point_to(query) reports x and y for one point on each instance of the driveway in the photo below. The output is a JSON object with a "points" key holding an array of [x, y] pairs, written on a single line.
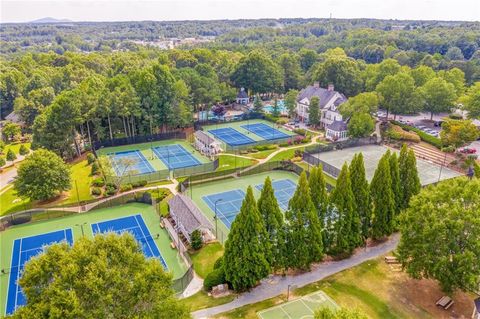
{"points": [[7, 176], [277, 285]]}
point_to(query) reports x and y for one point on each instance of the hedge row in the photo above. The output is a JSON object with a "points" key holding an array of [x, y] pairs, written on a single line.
{"points": [[427, 138]]}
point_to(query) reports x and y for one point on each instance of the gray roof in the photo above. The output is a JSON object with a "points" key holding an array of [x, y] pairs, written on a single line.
{"points": [[204, 137], [185, 212], [13, 117], [323, 94], [242, 94], [337, 126]]}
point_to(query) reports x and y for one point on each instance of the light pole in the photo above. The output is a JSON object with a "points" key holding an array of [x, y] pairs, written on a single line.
{"points": [[216, 217], [78, 197], [81, 227]]}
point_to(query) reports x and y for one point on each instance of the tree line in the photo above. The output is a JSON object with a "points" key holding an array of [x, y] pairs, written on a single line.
{"points": [[263, 240]]}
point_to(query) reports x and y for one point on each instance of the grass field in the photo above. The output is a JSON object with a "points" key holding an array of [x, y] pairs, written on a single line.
{"points": [[174, 261], [15, 147], [204, 259], [227, 161], [376, 289], [200, 190], [146, 150]]}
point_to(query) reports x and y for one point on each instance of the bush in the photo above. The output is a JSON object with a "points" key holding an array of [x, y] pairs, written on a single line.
{"points": [[284, 144], [196, 239], [126, 187], [11, 155], [98, 182], [298, 153], [423, 136], [395, 132], [139, 184], [218, 263], [109, 191], [215, 278], [265, 147], [455, 116], [90, 158], [2, 161], [282, 121], [95, 169], [111, 185], [300, 131], [23, 150], [96, 191]]}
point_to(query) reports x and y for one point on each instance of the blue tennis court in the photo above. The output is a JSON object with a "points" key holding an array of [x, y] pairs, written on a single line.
{"points": [[175, 156], [265, 131], [23, 250], [228, 205], [130, 162], [283, 190], [231, 136], [136, 226]]}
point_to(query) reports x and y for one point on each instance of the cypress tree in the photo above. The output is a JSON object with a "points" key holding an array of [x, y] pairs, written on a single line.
{"points": [[361, 193], [410, 183], [383, 199], [273, 221], [347, 225], [244, 259], [318, 192], [396, 185], [304, 243]]}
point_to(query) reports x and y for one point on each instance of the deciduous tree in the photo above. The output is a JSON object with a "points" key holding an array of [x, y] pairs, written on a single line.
{"points": [[457, 133]]}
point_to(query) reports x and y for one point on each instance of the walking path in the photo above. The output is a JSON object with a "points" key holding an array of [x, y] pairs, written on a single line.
{"points": [[277, 285]]}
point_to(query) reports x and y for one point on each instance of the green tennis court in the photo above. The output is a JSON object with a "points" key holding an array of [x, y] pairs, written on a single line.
{"points": [[81, 224], [200, 192], [148, 151], [302, 308]]}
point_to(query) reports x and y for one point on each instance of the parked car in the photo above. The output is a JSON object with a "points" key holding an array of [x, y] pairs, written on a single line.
{"points": [[468, 150]]}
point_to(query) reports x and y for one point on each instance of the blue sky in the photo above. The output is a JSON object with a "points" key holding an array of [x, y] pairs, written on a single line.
{"points": [[135, 10]]}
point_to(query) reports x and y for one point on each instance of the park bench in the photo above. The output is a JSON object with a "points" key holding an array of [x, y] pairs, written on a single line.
{"points": [[445, 302]]}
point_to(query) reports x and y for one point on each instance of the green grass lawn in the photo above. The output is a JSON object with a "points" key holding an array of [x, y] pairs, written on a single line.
{"points": [[201, 300], [232, 161], [10, 202], [204, 259], [376, 289], [285, 155], [80, 175], [262, 154], [15, 147]]}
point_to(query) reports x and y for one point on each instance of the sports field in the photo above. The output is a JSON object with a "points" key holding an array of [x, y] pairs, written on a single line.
{"points": [[229, 194], [428, 172], [19, 243], [155, 156], [302, 308], [247, 132]]}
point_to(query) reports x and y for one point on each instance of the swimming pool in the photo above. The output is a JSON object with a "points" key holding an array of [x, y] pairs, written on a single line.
{"points": [[281, 108]]}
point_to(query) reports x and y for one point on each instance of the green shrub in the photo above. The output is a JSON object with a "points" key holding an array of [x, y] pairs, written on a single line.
{"points": [[96, 191], [196, 239], [95, 169], [218, 263], [2, 161], [395, 132], [126, 187], [98, 182], [455, 116], [111, 185], [283, 144], [90, 158], [282, 121], [215, 278], [11, 155], [265, 147], [435, 141], [139, 183], [109, 191], [23, 150], [298, 153]]}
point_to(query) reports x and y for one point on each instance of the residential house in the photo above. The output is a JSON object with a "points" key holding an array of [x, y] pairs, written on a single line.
{"points": [[330, 118]]}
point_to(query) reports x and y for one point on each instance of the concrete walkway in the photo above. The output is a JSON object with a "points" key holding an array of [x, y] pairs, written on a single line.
{"points": [[277, 285]]}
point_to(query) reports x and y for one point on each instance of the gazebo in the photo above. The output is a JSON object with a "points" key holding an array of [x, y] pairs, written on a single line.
{"points": [[188, 218], [242, 97]]}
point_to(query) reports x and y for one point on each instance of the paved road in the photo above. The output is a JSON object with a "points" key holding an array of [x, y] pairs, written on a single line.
{"points": [[277, 285], [7, 177]]}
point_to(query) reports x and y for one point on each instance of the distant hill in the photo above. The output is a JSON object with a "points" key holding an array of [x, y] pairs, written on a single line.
{"points": [[50, 20]]}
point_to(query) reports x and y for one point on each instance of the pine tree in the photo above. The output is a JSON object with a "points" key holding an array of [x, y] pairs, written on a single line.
{"points": [[304, 244], [244, 259], [318, 192], [383, 199], [273, 221], [361, 193], [410, 182], [347, 226], [396, 185]]}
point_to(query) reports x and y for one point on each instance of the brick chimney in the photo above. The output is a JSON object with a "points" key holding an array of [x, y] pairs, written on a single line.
{"points": [[316, 84], [331, 87]]}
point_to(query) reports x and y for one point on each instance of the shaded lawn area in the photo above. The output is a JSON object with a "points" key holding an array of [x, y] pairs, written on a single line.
{"points": [[232, 161], [285, 155], [201, 300], [261, 154], [379, 290], [204, 259]]}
